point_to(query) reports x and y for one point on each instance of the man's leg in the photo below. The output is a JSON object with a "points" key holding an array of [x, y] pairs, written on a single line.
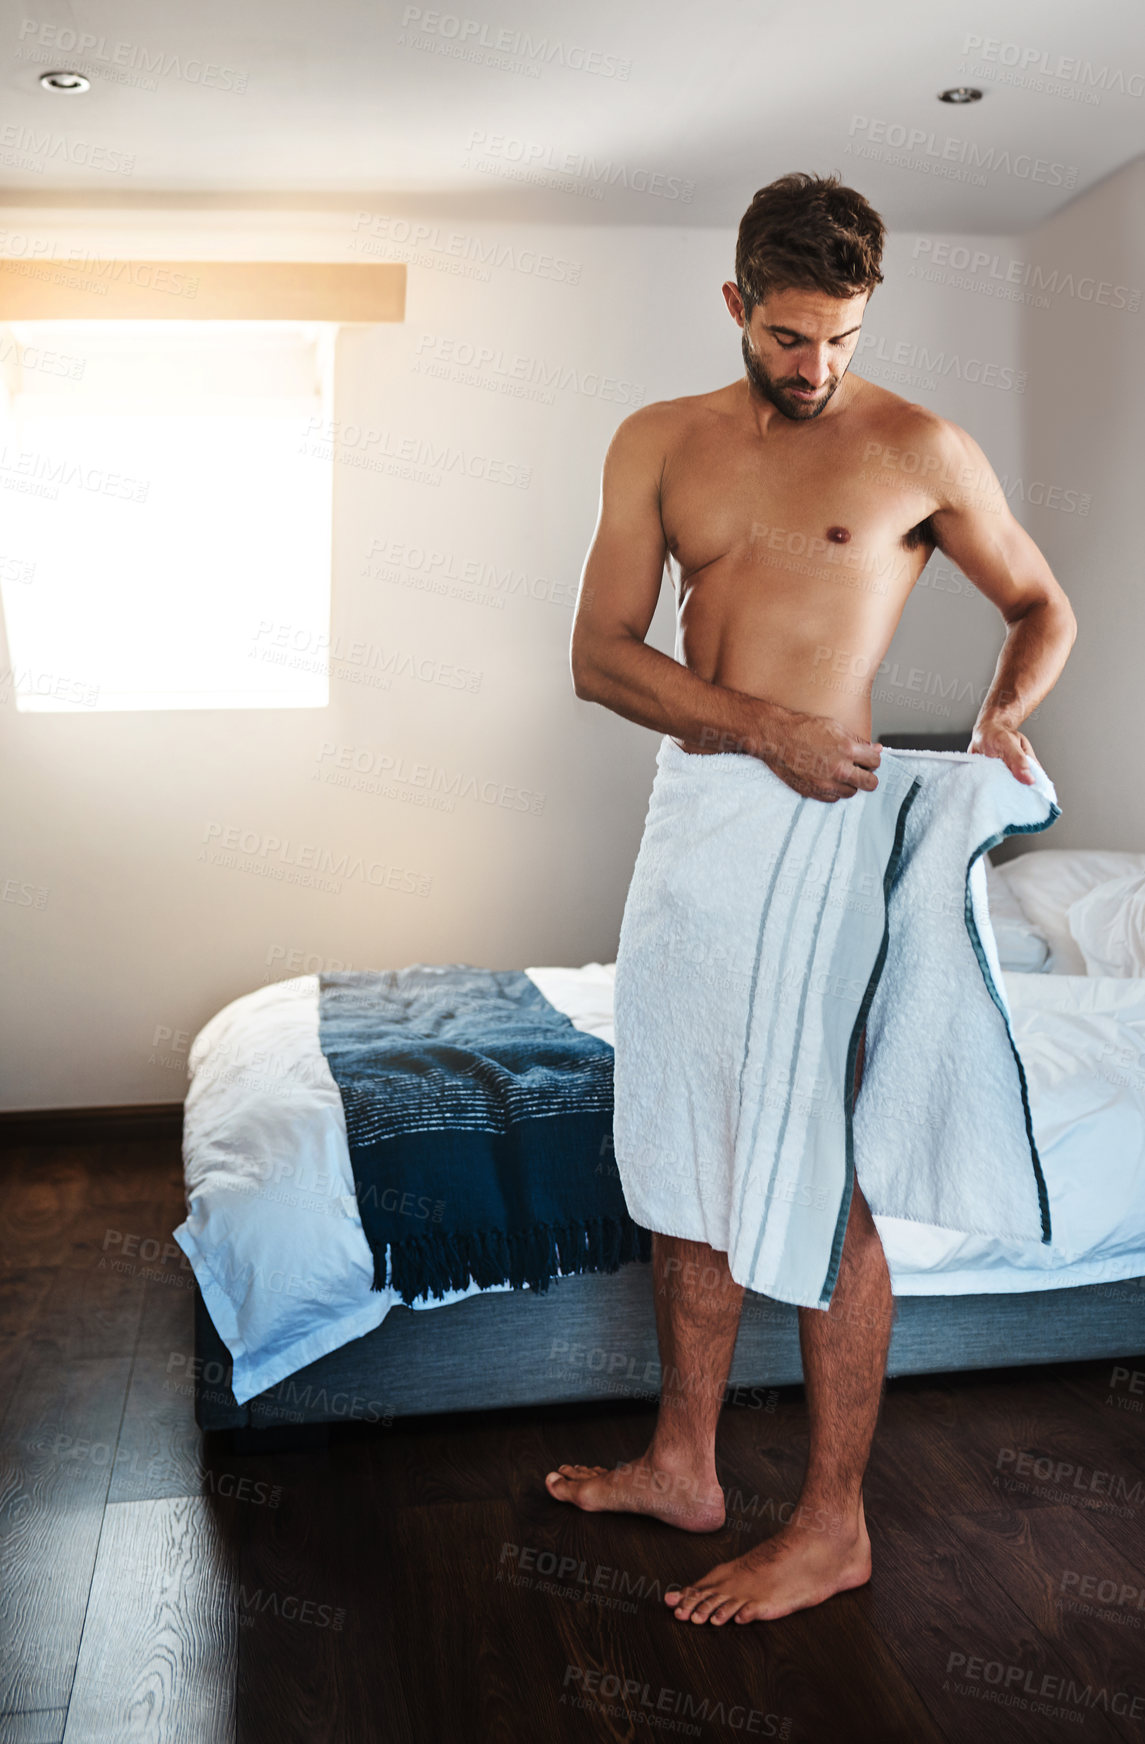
{"points": [[697, 1316], [824, 1548]]}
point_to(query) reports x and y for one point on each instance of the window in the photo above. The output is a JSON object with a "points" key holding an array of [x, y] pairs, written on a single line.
{"points": [[165, 513]]}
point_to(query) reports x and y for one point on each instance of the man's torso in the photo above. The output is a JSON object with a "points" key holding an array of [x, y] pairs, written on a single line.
{"points": [[793, 554]]}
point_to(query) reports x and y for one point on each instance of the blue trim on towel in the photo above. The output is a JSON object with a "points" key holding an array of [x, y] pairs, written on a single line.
{"points": [[889, 876], [792, 1073], [976, 941]]}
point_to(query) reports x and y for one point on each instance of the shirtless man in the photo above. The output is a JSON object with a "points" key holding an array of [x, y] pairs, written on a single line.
{"points": [[796, 509]]}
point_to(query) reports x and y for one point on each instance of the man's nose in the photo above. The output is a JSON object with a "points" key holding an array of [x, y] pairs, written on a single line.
{"points": [[815, 368]]}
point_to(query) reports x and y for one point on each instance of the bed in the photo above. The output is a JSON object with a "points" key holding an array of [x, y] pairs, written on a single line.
{"points": [[289, 1329]]}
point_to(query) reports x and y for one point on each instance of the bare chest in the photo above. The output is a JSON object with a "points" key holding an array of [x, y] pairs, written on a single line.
{"points": [[813, 494]]}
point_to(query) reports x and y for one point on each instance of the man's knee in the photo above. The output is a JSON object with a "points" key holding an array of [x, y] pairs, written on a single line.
{"points": [[860, 1223], [694, 1275]]}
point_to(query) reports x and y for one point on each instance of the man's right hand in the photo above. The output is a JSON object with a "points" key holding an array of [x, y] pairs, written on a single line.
{"points": [[818, 756]]}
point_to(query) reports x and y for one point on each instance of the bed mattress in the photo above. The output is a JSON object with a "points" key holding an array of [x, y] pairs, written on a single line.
{"points": [[274, 1237]]}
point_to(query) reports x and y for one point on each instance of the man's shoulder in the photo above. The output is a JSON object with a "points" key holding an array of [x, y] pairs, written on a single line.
{"points": [[661, 423], [905, 421], [905, 438], [675, 414]]}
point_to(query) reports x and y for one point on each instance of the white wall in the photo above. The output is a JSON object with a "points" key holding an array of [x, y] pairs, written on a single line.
{"points": [[1086, 359], [109, 813]]}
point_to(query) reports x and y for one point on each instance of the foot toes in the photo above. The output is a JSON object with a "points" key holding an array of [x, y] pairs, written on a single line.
{"points": [[724, 1612]]}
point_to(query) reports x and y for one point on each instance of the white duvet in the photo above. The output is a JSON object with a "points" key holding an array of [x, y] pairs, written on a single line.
{"points": [[277, 1246]]}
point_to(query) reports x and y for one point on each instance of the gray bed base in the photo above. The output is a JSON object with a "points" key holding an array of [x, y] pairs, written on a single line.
{"points": [[594, 1338]]}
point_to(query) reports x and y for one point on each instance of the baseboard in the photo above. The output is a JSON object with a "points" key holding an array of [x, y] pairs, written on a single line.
{"points": [[90, 1125]]}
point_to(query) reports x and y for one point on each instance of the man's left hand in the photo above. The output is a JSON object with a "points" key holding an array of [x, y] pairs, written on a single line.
{"points": [[1008, 744]]}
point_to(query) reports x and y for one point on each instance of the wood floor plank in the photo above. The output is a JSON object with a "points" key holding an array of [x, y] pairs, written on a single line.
{"points": [[417, 1583], [89, 1311], [41, 1199], [1056, 1563], [45, 1726], [160, 1450], [958, 1441], [576, 1608], [159, 1653], [319, 1606], [13, 1355], [57, 1450], [22, 1293], [958, 1634], [126, 1172]]}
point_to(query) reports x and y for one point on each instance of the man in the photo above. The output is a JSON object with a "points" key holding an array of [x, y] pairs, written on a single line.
{"points": [[796, 509]]}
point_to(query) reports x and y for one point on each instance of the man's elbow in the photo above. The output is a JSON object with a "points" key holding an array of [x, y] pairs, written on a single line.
{"points": [[1066, 621], [584, 674], [1055, 611]]}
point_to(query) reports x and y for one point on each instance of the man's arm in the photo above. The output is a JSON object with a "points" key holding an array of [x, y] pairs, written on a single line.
{"points": [[620, 585], [976, 530]]}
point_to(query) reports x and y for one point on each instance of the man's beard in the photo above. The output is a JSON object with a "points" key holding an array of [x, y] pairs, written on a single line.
{"points": [[799, 411]]}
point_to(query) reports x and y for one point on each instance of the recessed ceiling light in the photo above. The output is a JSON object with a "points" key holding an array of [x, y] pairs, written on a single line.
{"points": [[959, 94], [64, 82]]}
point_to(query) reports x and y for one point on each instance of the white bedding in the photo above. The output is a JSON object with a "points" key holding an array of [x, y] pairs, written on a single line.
{"points": [[277, 1247]]}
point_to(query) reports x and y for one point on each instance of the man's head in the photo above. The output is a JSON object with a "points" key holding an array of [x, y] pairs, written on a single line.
{"points": [[807, 259]]}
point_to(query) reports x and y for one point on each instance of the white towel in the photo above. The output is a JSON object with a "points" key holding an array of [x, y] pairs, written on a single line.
{"points": [[761, 929]]}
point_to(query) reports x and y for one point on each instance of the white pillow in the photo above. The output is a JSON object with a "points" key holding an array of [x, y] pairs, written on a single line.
{"points": [[1108, 926], [1021, 947], [1048, 881]]}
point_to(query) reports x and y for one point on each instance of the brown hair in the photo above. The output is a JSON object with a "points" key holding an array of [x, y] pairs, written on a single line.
{"points": [[810, 232]]}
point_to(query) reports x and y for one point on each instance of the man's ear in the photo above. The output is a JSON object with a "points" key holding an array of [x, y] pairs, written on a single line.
{"points": [[734, 301]]}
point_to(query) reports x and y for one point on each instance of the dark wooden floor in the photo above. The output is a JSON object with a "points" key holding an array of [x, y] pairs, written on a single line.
{"points": [[414, 1583]]}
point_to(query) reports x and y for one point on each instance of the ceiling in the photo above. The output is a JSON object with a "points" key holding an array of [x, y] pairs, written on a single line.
{"points": [[590, 113]]}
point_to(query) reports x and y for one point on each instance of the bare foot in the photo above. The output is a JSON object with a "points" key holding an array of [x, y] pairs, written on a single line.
{"points": [[680, 1498], [803, 1564]]}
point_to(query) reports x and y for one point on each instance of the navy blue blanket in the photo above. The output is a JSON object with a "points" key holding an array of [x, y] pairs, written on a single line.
{"points": [[480, 1128]]}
